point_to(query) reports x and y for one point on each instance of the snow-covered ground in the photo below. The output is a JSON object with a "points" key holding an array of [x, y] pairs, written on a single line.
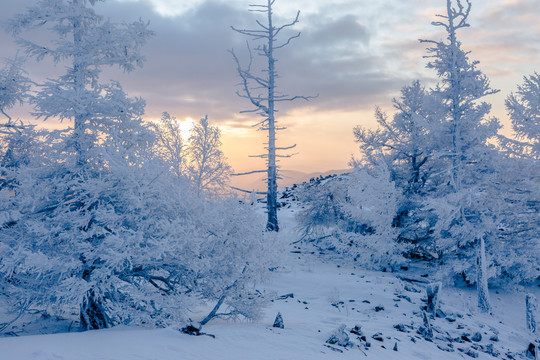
{"points": [[324, 297]]}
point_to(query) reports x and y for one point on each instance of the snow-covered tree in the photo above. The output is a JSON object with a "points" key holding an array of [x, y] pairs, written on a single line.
{"points": [[261, 91], [85, 43], [14, 87], [353, 215], [524, 110], [207, 167], [169, 143], [460, 91], [404, 140], [463, 218], [132, 245]]}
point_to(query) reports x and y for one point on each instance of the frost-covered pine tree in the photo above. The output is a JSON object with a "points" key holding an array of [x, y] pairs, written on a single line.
{"points": [[14, 136], [85, 43], [207, 168], [518, 184], [14, 87], [406, 143], [404, 140], [523, 106], [261, 91], [463, 150], [460, 91]]}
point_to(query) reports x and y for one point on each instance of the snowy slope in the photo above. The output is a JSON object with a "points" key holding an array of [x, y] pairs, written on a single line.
{"points": [[325, 296]]}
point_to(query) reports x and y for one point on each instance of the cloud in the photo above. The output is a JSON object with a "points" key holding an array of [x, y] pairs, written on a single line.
{"points": [[189, 71]]}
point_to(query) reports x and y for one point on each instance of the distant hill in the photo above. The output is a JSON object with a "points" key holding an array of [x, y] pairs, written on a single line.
{"points": [[256, 182]]}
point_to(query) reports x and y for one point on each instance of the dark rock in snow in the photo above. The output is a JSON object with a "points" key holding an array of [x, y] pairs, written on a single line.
{"points": [[286, 296], [494, 337], [357, 330], [465, 337], [477, 337], [379, 308], [405, 297], [191, 330], [395, 347], [472, 353], [531, 351], [378, 336], [440, 314], [278, 322], [490, 349], [401, 327]]}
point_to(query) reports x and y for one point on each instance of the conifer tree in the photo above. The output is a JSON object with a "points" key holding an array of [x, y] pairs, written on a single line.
{"points": [[86, 42]]}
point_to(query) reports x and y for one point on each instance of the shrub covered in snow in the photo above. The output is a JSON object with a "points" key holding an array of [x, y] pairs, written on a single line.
{"points": [[126, 242], [354, 216]]}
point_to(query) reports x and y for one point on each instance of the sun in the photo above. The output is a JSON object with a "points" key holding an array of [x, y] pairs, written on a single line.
{"points": [[185, 126]]}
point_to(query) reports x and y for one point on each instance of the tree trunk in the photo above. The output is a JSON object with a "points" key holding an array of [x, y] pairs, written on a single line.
{"points": [[433, 297], [271, 197], [530, 305], [482, 279], [93, 312]]}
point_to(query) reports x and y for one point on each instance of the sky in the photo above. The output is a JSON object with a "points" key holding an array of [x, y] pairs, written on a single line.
{"points": [[354, 54]]}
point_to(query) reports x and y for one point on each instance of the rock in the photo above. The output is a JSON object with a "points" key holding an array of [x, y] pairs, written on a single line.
{"points": [[477, 337], [531, 351], [379, 308], [278, 322], [401, 327], [378, 336], [286, 296], [339, 337], [446, 347], [472, 353], [405, 297], [440, 314], [494, 337], [357, 330], [191, 330], [395, 347], [465, 337], [490, 349], [411, 288]]}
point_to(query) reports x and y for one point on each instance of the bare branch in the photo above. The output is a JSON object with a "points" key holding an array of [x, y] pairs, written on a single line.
{"points": [[248, 192], [288, 41], [251, 172]]}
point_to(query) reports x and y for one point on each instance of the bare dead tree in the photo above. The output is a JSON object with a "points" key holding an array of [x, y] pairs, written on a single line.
{"points": [[261, 91]]}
